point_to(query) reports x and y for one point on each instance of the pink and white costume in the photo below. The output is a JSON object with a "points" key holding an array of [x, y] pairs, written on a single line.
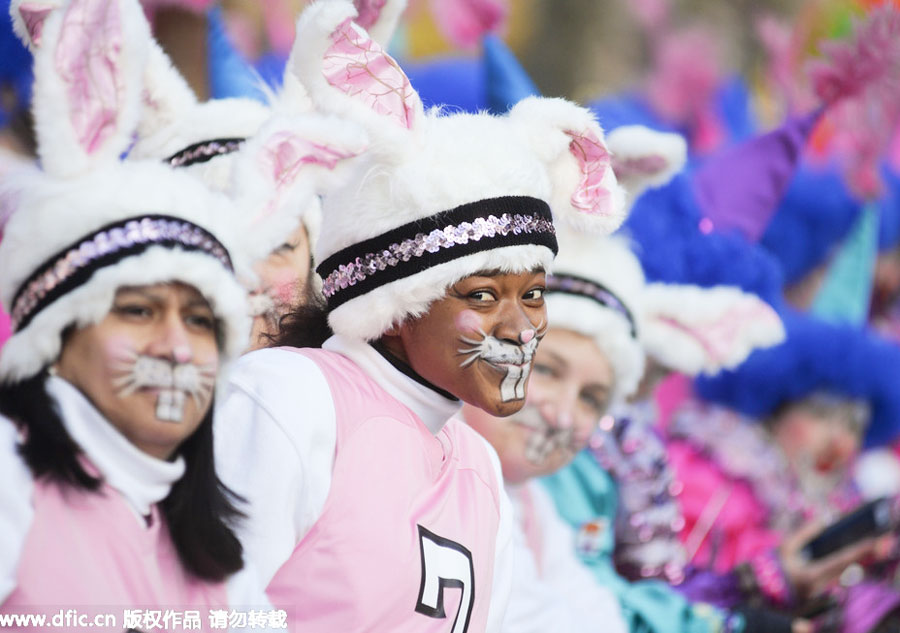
{"points": [[362, 492], [552, 589], [103, 552]]}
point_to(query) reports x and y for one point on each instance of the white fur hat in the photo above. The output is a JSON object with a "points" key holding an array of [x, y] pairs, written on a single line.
{"points": [[90, 223], [439, 197], [596, 290]]}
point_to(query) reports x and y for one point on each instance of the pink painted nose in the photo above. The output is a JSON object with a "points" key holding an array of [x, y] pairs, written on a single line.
{"points": [[182, 353], [526, 335]]}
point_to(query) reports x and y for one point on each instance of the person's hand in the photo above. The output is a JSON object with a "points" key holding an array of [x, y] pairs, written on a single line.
{"points": [[807, 577], [802, 626]]}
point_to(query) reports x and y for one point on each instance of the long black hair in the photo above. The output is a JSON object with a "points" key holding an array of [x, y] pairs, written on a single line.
{"points": [[306, 325], [199, 510]]}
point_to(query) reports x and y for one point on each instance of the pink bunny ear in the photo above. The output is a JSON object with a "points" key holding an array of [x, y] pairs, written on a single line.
{"points": [[285, 156], [346, 72], [283, 169], [586, 195], [359, 67], [87, 83], [594, 161], [643, 158], [692, 330], [28, 19]]}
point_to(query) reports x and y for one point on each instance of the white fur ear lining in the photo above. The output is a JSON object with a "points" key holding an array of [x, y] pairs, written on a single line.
{"points": [[280, 173], [644, 158], [167, 96], [692, 329]]}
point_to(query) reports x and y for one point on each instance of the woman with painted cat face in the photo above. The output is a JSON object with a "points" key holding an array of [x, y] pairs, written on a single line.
{"points": [[120, 285], [370, 507]]}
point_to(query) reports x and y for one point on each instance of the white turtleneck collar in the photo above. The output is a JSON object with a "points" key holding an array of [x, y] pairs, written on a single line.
{"points": [[142, 479], [432, 408]]}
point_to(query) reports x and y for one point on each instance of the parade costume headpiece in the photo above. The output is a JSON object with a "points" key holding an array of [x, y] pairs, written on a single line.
{"points": [[439, 197], [816, 357], [275, 159], [595, 290], [90, 223]]}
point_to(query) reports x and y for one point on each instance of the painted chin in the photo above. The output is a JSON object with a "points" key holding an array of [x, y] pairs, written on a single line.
{"points": [[511, 378]]}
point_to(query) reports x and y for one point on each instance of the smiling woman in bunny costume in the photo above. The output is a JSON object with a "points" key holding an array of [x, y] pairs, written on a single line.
{"points": [[120, 280], [433, 263]]}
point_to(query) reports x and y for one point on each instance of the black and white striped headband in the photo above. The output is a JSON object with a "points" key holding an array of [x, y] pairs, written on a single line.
{"points": [[74, 265], [443, 237]]}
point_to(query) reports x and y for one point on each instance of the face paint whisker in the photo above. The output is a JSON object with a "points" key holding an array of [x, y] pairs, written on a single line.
{"points": [[471, 359], [175, 382]]}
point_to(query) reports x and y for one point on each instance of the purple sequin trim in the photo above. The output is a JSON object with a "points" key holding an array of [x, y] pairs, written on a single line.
{"points": [[138, 231], [202, 152], [591, 290], [351, 273]]}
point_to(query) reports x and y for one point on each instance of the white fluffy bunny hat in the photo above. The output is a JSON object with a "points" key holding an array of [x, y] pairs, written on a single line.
{"points": [[274, 160], [438, 197], [90, 222], [598, 288]]}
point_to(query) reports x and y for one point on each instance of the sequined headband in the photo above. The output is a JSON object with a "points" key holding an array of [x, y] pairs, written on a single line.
{"points": [[579, 286], [443, 237], [74, 265], [204, 151]]}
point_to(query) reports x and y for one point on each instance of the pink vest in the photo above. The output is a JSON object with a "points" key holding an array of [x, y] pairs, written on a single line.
{"points": [[88, 552], [406, 539]]}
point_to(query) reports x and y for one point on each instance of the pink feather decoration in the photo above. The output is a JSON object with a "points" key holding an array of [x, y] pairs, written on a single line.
{"points": [[871, 57], [861, 78], [465, 22]]}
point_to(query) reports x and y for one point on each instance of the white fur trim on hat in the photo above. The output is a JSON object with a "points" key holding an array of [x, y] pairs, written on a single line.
{"points": [[38, 345], [609, 330], [610, 263], [51, 214], [88, 83]]}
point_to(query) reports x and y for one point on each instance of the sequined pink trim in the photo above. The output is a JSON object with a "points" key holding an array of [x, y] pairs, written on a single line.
{"points": [[360, 68], [362, 267], [137, 231], [88, 59], [591, 196]]}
